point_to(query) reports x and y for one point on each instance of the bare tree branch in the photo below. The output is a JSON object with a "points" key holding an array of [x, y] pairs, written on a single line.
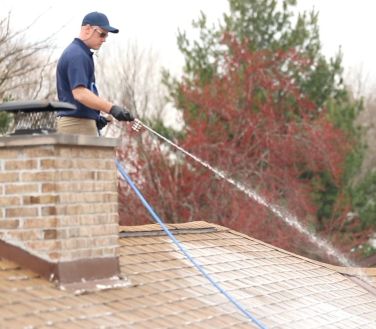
{"points": [[24, 65]]}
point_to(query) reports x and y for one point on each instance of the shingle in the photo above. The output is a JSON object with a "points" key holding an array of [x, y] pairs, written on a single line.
{"points": [[281, 289]]}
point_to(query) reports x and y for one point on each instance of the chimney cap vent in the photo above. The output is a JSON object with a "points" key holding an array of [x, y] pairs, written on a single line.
{"points": [[35, 116]]}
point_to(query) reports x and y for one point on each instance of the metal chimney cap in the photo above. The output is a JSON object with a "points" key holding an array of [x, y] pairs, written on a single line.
{"points": [[34, 116], [35, 106]]}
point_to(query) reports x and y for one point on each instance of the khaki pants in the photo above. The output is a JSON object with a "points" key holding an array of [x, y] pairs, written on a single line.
{"points": [[76, 126]]}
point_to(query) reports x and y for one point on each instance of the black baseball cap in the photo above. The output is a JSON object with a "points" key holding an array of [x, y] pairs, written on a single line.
{"points": [[98, 19]]}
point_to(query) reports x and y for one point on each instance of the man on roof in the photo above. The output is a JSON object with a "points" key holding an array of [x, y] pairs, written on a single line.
{"points": [[75, 77]]}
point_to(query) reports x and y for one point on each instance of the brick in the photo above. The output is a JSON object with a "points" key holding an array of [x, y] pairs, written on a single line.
{"points": [[57, 163], [38, 176], [75, 175], [48, 187], [79, 186], [110, 197], [81, 209], [39, 151], [78, 209], [98, 219], [8, 201], [49, 211], [21, 188], [9, 223], [9, 154], [21, 212], [44, 245], [40, 199], [86, 152], [88, 197], [68, 233], [69, 221], [104, 186], [9, 177], [110, 229], [74, 244], [106, 241], [99, 230], [73, 232], [86, 231], [111, 165], [47, 164], [60, 187], [90, 242], [106, 175], [79, 254], [112, 208], [25, 235], [64, 151], [77, 163], [50, 234], [95, 164], [44, 222], [21, 164], [73, 198]]}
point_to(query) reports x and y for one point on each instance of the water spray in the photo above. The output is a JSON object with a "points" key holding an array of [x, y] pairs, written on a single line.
{"points": [[276, 210]]}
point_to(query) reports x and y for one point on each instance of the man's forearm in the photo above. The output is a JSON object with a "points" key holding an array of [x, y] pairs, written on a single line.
{"points": [[91, 100]]}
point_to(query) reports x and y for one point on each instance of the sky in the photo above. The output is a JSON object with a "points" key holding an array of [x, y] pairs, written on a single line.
{"points": [[154, 25]]}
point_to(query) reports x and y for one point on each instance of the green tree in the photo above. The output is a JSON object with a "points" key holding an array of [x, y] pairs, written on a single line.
{"points": [[272, 25]]}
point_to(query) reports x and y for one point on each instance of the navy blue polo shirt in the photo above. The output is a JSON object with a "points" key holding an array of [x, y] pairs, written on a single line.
{"points": [[76, 68]]}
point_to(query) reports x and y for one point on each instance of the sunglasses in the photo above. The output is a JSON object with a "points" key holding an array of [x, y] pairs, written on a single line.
{"points": [[101, 33]]}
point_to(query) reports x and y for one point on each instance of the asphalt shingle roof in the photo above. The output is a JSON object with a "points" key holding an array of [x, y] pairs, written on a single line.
{"points": [[280, 289]]}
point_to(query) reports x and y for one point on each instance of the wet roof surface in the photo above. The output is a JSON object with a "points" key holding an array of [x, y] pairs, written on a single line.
{"points": [[280, 289]]}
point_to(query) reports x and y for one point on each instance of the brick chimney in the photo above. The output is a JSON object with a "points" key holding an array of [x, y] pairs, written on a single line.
{"points": [[59, 205]]}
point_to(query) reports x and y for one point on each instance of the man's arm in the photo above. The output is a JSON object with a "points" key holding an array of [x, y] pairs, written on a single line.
{"points": [[91, 100]]}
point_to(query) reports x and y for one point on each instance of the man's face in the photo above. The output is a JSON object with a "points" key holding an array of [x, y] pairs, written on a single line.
{"points": [[97, 37]]}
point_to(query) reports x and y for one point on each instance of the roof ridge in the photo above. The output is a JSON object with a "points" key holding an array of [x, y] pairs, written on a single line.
{"points": [[190, 227]]}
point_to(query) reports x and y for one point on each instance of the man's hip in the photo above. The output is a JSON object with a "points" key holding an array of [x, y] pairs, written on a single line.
{"points": [[76, 126]]}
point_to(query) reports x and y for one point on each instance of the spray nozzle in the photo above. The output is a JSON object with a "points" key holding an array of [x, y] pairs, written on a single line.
{"points": [[137, 125]]}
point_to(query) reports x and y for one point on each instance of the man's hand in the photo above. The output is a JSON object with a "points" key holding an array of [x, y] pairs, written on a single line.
{"points": [[120, 113], [101, 122]]}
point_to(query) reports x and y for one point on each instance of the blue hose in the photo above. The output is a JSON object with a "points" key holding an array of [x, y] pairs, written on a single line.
{"points": [[183, 250]]}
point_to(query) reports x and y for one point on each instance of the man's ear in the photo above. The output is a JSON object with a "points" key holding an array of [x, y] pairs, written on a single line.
{"points": [[85, 31], [86, 28]]}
